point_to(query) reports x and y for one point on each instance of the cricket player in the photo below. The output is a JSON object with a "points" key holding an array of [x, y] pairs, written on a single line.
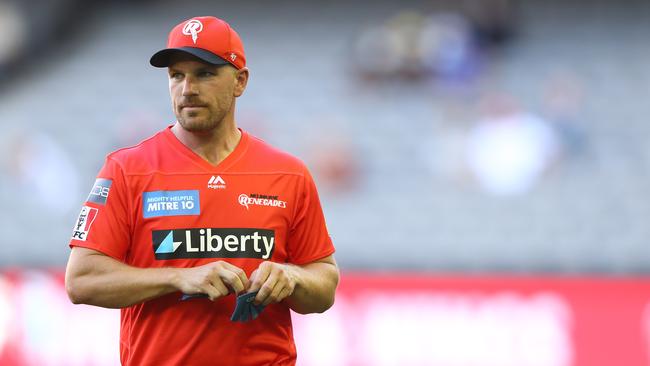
{"points": [[203, 208]]}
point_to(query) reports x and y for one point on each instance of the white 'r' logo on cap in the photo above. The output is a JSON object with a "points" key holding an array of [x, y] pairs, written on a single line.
{"points": [[193, 27]]}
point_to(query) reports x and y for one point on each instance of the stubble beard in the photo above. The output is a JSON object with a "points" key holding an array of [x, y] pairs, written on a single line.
{"points": [[196, 124]]}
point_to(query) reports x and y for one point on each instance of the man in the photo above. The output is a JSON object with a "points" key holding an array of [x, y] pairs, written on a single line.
{"points": [[203, 208]]}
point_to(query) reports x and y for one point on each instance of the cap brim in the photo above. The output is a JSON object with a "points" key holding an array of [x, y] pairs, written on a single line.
{"points": [[162, 57]]}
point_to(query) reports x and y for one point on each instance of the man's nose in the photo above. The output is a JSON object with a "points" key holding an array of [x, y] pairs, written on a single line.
{"points": [[189, 86]]}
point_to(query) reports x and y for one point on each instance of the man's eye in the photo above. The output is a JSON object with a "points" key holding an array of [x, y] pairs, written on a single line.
{"points": [[176, 75], [205, 74]]}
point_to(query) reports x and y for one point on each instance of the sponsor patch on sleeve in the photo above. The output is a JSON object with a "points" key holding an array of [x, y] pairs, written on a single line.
{"points": [[170, 203], [99, 193], [85, 220]]}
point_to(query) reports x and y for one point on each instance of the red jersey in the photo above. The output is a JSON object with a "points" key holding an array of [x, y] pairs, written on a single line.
{"points": [[159, 204]]}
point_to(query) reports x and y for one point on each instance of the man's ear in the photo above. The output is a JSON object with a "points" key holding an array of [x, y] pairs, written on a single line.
{"points": [[241, 80]]}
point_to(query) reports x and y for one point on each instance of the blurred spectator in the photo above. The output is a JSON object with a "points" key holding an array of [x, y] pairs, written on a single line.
{"points": [[443, 45], [448, 51], [414, 45], [407, 27], [509, 149], [378, 52]]}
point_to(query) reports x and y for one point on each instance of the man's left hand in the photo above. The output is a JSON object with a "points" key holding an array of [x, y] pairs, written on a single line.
{"points": [[275, 282]]}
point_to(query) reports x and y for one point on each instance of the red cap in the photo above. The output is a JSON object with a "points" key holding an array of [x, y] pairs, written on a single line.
{"points": [[208, 38]]}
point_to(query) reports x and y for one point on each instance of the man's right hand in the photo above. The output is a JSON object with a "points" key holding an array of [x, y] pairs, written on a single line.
{"points": [[214, 279]]}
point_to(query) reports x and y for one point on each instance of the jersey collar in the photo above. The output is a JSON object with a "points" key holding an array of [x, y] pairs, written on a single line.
{"points": [[226, 163]]}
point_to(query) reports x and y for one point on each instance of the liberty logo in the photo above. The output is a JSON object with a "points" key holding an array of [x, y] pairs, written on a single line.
{"points": [[168, 245], [213, 243], [193, 27]]}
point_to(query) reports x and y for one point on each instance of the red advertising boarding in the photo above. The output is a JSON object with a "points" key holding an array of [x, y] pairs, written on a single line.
{"points": [[380, 319], [399, 319]]}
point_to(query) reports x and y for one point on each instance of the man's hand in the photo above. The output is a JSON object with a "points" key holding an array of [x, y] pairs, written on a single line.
{"points": [[214, 279], [275, 282]]}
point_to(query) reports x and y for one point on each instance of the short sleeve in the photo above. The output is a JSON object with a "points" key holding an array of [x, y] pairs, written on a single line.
{"points": [[308, 238], [103, 223]]}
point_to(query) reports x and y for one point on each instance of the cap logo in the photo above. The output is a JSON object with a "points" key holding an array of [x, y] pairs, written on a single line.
{"points": [[233, 56], [193, 27]]}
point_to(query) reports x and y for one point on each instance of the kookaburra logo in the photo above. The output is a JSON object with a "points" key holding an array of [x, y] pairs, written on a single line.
{"points": [[192, 28]]}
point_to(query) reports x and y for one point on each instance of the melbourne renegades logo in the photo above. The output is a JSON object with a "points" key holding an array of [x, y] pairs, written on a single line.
{"points": [[260, 200], [192, 28]]}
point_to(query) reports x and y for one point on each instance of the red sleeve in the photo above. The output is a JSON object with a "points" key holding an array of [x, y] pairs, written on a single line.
{"points": [[308, 239], [103, 222]]}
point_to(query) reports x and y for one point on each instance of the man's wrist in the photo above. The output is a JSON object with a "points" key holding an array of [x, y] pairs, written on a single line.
{"points": [[172, 278], [293, 271]]}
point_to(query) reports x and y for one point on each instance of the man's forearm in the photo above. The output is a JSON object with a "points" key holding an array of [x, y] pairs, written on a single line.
{"points": [[315, 287], [96, 279]]}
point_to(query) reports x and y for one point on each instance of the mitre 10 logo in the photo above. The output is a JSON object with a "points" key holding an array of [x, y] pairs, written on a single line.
{"points": [[213, 243]]}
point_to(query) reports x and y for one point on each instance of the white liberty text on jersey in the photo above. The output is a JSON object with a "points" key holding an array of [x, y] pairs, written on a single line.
{"points": [[213, 243]]}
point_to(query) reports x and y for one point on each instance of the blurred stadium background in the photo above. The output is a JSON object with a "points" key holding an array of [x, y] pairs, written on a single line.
{"points": [[484, 168]]}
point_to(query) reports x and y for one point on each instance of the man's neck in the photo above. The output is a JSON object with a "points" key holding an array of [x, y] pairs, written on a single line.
{"points": [[213, 146]]}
